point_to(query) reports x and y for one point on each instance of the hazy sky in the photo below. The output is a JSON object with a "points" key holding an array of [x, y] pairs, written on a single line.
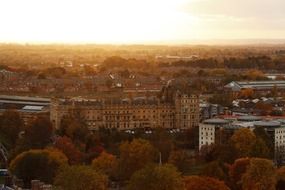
{"points": [[139, 21]]}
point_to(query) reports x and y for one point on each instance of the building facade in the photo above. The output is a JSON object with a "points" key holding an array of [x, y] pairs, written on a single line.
{"points": [[134, 113], [217, 131]]}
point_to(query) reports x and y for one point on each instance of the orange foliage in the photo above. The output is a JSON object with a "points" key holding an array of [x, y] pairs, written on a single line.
{"points": [[203, 183], [236, 170], [68, 148]]}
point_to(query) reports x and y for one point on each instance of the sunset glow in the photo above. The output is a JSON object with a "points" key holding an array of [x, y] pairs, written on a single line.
{"points": [[138, 21]]}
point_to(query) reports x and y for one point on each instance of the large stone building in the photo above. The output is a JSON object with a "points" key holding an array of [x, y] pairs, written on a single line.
{"points": [[122, 114]]}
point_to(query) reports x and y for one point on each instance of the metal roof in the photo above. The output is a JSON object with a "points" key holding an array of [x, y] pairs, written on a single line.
{"points": [[216, 121], [33, 108], [249, 118], [267, 124], [235, 85]]}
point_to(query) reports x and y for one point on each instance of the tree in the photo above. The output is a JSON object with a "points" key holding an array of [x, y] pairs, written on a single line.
{"points": [[93, 147], [203, 183], [80, 177], [134, 156], [66, 145], [162, 141], [153, 177], [261, 133], [37, 164], [247, 93], [74, 128], [180, 159], [236, 171], [264, 107], [280, 178], [213, 169], [243, 140], [11, 125], [106, 163], [259, 149], [260, 175], [38, 134]]}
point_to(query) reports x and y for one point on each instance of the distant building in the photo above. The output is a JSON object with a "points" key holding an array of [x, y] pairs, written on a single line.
{"points": [[208, 111], [123, 114], [28, 107], [8, 75], [215, 131], [259, 86]]}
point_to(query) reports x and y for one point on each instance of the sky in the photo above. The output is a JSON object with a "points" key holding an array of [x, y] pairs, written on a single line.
{"points": [[139, 21]]}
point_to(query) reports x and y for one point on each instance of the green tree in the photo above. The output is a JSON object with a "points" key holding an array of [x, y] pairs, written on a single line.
{"points": [[260, 175], [153, 177], [79, 178], [37, 164]]}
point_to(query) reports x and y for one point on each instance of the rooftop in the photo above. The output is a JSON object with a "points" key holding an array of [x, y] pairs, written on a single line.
{"points": [[237, 85], [216, 121]]}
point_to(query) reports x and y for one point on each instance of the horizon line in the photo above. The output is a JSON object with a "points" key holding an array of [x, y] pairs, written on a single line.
{"points": [[194, 42]]}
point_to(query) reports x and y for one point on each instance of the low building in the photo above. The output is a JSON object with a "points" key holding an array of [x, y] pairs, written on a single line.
{"points": [[28, 107], [216, 131], [236, 87], [209, 129]]}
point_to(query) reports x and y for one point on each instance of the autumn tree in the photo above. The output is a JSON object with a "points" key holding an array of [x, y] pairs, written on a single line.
{"points": [[203, 183], [236, 171], [254, 74], [280, 178], [10, 126], [265, 108], [164, 177], [260, 175], [162, 141], [37, 164], [80, 177], [259, 149], [106, 163], [74, 128], [247, 93], [38, 134], [243, 140], [261, 133], [66, 145], [180, 159], [215, 170], [134, 156], [93, 147]]}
